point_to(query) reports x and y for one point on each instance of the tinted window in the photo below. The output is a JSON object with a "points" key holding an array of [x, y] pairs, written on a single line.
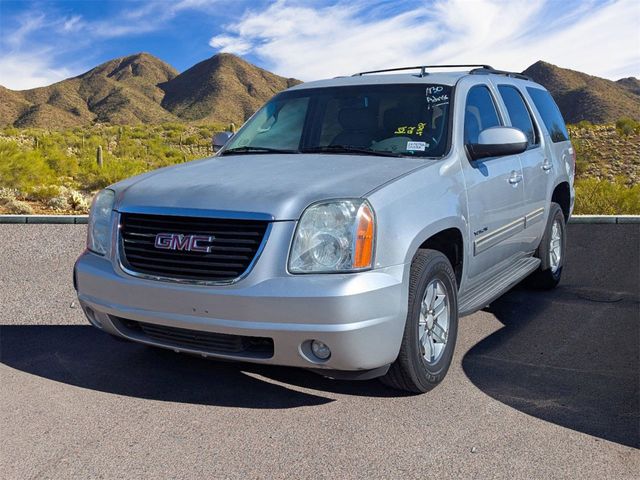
{"points": [[518, 112], [278, 125], [480, 113], [550, 114], [406, 120]]}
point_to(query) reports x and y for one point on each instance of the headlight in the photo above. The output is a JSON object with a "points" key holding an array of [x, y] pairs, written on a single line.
{"points": [[99, 231], [334, 236]]}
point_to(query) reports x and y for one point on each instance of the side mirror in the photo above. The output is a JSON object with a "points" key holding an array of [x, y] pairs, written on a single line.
{"points": [[498, 141], [220, 139]]}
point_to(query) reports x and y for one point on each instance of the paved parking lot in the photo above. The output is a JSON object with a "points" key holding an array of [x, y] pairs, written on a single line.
{"points": [[543, 385]]}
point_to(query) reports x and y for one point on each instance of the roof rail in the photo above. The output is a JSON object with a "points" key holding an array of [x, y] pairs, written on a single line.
{"points": [[423, 69], [477, 69], [493, 71]]}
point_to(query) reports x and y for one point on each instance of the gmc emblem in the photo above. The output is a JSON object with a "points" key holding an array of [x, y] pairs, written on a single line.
{"points": [[187, 243]]}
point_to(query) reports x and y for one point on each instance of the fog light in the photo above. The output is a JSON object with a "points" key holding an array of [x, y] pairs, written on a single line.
{"points": [[320, 350]]}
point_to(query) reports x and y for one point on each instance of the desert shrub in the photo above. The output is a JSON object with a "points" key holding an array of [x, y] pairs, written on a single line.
{"points": [[77, 201], [7, 193], [584, 124], [23, 170], [603, 197], [584, 155], [43, 193], [627, 126], [92, 177], [16, 207], [58, 203], [61, 163]]}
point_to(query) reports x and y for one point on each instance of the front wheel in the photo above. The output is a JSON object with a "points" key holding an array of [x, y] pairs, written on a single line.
{"points": [[431, 327]]}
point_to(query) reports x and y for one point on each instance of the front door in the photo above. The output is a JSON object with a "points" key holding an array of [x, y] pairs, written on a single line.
{"points": [[495, 191]]}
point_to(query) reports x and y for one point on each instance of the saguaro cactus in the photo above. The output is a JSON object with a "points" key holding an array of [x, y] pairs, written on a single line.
{"points": [[99, 156]]}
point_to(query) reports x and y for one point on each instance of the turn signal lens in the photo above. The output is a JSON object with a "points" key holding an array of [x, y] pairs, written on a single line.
{"points": [[363, 254]]}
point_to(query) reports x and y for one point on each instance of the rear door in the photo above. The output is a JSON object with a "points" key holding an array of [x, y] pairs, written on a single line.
{"points": [[495, 190], [536, 166]]}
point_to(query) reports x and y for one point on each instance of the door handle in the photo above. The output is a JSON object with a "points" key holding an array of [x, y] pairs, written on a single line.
{"points": [[546, 165], [515, 178]]}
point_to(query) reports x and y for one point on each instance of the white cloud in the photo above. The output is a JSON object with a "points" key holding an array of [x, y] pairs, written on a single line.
{"points": [[72, 24], [149, 17], [229, 44], [24, 71], [27, 25], [316, 42]]}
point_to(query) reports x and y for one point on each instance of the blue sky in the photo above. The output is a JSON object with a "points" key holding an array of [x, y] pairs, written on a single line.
{"points": [[45, 41]]}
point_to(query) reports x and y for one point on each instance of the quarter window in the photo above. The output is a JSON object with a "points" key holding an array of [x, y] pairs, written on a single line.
{"points": [[518, 112], [550, 114], [480, 113]]}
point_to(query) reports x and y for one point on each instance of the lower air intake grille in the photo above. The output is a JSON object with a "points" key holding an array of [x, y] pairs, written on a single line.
{"points": [[220, 343]]}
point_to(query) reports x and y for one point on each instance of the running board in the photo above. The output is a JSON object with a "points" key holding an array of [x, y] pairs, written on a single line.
{"points": [[483, 294]]}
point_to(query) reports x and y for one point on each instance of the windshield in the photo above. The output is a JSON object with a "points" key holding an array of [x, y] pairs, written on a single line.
{"points": [[389, 120]]}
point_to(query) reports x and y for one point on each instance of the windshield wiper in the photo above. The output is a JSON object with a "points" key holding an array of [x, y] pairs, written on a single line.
{"points": [[241, 150], [348, 149]]}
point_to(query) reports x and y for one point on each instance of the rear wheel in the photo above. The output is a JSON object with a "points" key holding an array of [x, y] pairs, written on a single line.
{"points": [[431, 327], [551, 251]]}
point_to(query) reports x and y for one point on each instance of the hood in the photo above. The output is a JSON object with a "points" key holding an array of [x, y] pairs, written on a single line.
{"points": [[279, 185]]}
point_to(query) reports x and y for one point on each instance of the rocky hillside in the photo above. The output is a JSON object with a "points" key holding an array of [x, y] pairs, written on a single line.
{"points": [[122, 91], [223, 88], [143, 89], [585, 97], [603, 153]]}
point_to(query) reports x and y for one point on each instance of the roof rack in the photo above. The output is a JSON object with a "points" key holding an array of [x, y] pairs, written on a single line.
{"points": [[476, 69], [493, 71], [423, 68]]}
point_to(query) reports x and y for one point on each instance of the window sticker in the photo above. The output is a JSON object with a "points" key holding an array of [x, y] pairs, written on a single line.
{"points": [[417, 146], [410, 129]]}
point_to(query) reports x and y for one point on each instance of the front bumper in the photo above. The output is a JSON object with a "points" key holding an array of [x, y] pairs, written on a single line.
{"points": [[359, 316]]}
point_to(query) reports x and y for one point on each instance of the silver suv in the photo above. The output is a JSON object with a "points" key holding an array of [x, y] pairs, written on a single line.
{"points": [[344, 229]]}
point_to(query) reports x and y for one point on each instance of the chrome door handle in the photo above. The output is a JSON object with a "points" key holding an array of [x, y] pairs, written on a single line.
{"points": [[515, 178], [547, 166]]}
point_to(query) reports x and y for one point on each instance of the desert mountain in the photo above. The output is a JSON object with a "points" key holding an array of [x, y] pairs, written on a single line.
{"points": [[630, 83], [585, 97], [143, 89], [124, 90], [224, 88]]}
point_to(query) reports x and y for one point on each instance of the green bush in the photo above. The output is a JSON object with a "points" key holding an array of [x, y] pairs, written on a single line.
{"points": [[627, 126], [23, 170], [602, 197]]}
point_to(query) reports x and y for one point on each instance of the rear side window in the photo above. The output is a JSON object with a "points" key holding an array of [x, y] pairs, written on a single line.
{"points": [[480, 113], [550, 114], [518, 112]]}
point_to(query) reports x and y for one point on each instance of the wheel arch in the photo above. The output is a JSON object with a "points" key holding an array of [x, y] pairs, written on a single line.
{"points": [[447, 239], [562, 196]]}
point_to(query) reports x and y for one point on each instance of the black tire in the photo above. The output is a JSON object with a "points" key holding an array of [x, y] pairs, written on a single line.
{"points": [[545, 278], [410, 371]]}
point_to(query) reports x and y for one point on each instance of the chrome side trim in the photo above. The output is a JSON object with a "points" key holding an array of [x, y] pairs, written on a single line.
{"points": [[120, 254], [196, 212], [533, 217], [493, 238]]}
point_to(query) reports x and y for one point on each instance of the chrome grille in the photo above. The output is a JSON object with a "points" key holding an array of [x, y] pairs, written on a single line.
{"points": [[234, 246]]}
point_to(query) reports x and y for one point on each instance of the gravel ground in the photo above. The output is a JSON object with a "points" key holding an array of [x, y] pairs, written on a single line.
{"points": [[543, 385]]}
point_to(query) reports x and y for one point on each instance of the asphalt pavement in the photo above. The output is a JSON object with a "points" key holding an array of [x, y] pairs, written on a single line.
{"points": [[543, 385]]}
